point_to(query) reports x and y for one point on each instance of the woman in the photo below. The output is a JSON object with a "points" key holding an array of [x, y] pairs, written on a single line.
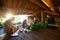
{"points": [[33, 24]]}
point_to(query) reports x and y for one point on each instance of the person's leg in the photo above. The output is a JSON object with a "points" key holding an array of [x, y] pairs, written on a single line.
{"points": [[15, 33]]}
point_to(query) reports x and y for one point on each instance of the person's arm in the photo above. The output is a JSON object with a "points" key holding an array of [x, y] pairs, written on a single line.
{"points": [[9, 25]]}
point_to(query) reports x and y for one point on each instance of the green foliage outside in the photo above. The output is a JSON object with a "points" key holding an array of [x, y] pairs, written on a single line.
{"points": [[1, 20]]}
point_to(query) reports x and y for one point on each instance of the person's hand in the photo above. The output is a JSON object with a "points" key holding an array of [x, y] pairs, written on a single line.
{"points": [[14, 29]]}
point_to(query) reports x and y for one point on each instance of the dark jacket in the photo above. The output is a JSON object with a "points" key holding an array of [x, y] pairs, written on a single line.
{"points": [[51, 20]]}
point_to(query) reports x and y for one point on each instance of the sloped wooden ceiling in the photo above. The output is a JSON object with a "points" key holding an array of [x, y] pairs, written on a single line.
{"points": [[23, 5], [56, 4], [53, 5], [30, 6]]}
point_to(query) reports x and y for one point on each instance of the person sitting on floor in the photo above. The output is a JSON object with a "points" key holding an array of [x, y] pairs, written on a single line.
{"points": [[33, 25], [24, 24], [9, 28]]}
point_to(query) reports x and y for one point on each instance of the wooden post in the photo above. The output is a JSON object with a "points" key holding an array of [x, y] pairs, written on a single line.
{"points": [[41, 16]]}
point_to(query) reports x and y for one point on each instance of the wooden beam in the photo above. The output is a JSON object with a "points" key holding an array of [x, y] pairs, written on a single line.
{"points": [[41, 4], [19, 4], [29, 6], [35, 7], [50, 5], [15, 3], [42, 17], [9, 3], [5, 3]]}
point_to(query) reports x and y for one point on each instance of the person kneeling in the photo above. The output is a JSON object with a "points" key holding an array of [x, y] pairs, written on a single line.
{"points": [[9, 28]]}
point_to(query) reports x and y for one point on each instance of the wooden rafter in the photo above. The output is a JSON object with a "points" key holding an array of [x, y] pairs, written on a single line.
{"points": [[9, 3], [15, 3], [50, 5], [41, 4]]}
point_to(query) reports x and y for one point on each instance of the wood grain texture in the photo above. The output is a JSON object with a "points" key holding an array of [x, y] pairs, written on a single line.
{"points": [[46, 34]]}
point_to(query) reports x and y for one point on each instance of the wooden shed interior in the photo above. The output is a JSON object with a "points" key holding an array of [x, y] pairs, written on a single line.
{"points": [[38, 8]]}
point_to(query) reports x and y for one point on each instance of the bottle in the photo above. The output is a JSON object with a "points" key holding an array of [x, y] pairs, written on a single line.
{"points": [[30, 29]]}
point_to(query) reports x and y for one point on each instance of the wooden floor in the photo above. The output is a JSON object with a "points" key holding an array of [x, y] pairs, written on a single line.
{"points": [[46, 34]]}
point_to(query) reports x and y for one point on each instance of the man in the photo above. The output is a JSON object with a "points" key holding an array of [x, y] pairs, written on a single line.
{"points": [[50, 19], [10, 29]]}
